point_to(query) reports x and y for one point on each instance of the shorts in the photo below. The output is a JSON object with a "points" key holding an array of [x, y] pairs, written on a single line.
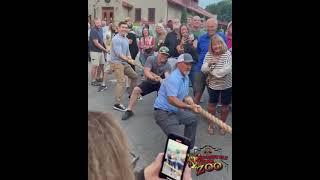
{"points": [[198, 80], [97, 58], [226, 96], [106, 66], [148, 87]]}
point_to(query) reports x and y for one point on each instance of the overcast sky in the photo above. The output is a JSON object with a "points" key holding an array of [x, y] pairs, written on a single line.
{"points": [[204, 3]]}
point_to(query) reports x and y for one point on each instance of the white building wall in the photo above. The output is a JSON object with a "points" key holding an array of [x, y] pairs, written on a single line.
{"points": [[159, 5], [174, 11], [163, 9]]}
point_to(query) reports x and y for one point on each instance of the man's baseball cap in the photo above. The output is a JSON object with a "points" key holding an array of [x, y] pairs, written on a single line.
{"points": [[186, 57], [164, 50]]}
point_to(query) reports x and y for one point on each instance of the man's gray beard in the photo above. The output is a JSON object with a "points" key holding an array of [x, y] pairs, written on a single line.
{"points": [[186, 73]]}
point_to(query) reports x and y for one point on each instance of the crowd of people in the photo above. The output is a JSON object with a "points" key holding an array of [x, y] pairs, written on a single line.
{"points": [[110, 48], [174, 57]]}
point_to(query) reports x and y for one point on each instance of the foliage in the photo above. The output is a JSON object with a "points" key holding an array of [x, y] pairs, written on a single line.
{"points": [[184, 16], [222, 9]]}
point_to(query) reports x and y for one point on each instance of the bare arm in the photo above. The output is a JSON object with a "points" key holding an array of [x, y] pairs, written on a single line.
{"points": [[182, 105], [177, 103], [147, 72], [98, 45]]}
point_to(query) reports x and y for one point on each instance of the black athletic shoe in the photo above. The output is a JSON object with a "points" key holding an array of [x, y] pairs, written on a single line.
{"points": [[95, 83], [102, 88], [120, 107], [127, 115], [99, 80]]}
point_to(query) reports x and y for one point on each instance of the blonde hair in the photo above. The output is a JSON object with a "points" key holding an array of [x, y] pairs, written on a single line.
{"points": [[108, 151], [229, 24], [215, 39], [162, 28]]}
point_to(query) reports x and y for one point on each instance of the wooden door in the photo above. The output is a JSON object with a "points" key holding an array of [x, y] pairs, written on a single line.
{"points": [[107, 14]]}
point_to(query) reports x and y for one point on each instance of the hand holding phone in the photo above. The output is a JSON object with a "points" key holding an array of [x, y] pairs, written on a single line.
{"points": [[191, 37], [174, 161], [186, 40], [180, 49], [152, 171]]}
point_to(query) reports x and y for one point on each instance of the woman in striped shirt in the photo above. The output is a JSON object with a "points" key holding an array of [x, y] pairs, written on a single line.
{"points": [[218, 68]]}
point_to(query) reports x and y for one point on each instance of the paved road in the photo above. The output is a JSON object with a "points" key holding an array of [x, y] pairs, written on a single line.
{"points": [[146, 138]]}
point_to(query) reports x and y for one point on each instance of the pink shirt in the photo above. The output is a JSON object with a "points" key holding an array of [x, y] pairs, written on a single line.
{"points": [[229, 41]]}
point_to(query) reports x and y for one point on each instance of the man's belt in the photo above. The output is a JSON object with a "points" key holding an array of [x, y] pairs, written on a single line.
{"points": [[157, 109]]}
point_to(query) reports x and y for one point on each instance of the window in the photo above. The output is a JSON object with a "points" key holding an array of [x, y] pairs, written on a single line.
{"points": [[151, 14], [138, 14]]}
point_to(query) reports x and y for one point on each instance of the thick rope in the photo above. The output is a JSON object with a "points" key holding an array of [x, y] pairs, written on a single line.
{"points": [[131, 61], [210, 117]]}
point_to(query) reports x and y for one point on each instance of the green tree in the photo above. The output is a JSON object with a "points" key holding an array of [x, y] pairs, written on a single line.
{"points": [[222, 9], [184, 16]]}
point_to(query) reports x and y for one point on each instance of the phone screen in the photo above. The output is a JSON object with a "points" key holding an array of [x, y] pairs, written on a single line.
{"points": [[174, 159]]}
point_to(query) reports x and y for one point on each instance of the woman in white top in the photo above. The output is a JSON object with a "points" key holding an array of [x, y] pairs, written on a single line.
{"points": [[218, 68]]}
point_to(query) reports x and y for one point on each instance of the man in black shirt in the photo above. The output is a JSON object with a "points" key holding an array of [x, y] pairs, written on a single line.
{"points": [[133, 46], [171, 41]]}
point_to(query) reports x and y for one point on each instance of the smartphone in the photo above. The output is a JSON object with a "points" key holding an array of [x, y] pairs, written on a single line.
{"points": [[175, 157], [191, 37]]}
